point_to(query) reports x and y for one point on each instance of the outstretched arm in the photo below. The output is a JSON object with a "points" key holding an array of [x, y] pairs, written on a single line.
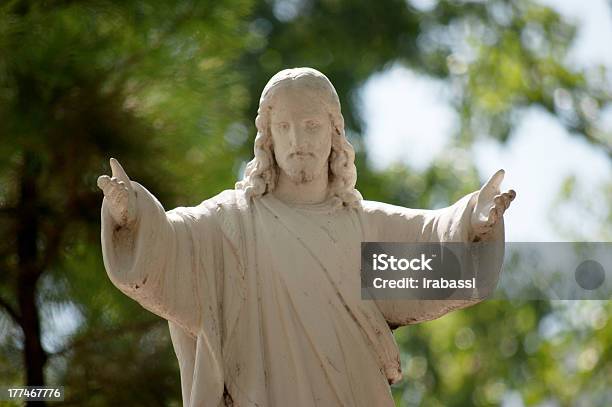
{"points": [[476, 217], [155, 257]]}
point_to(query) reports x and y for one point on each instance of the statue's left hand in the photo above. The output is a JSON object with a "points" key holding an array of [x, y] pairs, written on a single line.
{"points": [[491, 205]]}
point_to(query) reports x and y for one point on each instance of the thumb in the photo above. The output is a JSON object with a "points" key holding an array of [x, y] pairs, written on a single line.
{"points": [[493, 184], [119, 173]]}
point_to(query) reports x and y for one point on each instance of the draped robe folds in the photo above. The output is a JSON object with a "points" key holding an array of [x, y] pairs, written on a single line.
{"points": [[263, 299]]}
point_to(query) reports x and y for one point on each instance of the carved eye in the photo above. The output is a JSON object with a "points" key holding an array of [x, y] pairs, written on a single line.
{"points": [[284, 126]]}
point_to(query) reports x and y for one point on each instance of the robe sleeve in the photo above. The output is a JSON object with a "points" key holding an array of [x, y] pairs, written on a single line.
{"points": [[167, 262], [390, 223]]}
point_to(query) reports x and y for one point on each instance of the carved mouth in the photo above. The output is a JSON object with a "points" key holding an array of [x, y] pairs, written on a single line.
{"points": [[301, 154]]}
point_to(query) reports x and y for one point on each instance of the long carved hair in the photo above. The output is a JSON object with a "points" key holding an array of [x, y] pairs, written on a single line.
{"points": [[262, 172]]}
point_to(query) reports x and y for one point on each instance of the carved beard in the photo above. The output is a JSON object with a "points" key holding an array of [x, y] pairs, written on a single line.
{"points": [[301, 176], [301, 173]]}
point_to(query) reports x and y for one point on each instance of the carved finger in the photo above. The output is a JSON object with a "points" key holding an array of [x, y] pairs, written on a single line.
{"points": [[123, 186], [510, 195], [118, 171], [499, 212], [103, 181], [492, 185], [508, 200], [109, 187], [507, 203], [492, 216]]}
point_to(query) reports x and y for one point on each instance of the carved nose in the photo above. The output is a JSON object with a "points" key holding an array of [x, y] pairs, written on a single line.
{"points": [[299, 140]]}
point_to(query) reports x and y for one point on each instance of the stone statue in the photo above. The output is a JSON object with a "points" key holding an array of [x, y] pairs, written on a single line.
{"points": [[261, 283]]}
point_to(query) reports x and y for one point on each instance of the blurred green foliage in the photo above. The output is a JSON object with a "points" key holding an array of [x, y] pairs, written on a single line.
{"points": [[171, 89]]}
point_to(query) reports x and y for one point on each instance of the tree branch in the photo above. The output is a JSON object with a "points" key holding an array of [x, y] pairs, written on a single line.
{"points": [[8, 308], [54, 238], [8, 211]]}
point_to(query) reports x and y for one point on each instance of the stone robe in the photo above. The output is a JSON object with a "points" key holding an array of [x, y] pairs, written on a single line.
{"points": [[263, 299]]}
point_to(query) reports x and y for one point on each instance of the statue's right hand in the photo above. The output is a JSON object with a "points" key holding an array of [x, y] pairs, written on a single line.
{"points": [[119, 194]]}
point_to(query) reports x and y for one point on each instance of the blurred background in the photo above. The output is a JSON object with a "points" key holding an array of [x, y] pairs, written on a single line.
{"points": [[436, 95]]}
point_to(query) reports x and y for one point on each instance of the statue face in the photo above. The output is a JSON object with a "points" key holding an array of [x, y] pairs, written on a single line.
{"points": [[301, 132]]}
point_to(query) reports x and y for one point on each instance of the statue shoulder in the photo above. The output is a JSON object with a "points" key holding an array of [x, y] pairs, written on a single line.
{"points": [[229, 209], [228, 200]]}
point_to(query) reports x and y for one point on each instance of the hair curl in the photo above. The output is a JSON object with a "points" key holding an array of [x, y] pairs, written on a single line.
{"points": [[261, 172]]}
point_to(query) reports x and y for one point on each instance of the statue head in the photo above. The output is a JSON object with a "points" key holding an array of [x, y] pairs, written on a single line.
{"points": [[300, 131]]}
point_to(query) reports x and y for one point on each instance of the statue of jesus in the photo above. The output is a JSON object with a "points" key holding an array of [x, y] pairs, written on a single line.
{"points": [[261, 283]]}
